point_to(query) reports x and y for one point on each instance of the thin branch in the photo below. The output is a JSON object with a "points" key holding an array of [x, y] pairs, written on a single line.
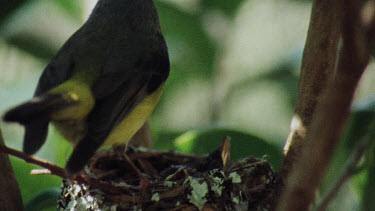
{"points": [[348, 171], [55, 170]]}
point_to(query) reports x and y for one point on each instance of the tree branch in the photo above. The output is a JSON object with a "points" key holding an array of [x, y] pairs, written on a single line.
{"points": [[318, 64], [331, 112], [10, 194]]}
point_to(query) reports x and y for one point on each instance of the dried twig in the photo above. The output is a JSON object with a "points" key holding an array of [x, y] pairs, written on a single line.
{"points": [[54, 169]]}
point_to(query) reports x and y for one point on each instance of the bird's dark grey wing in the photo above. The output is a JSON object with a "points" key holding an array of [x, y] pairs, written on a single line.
{"points": [[131, 67], [136, 54], [130, 87], [107, 112], [112, 106], [58, 70]]}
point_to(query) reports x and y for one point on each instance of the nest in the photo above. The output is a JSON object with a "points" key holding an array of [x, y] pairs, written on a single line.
{"points": [[145, 179]]}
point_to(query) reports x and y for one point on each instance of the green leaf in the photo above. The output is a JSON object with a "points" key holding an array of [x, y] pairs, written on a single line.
{"points": [[360, 121], [44, 200], [31, 39], [189, 45], [9, 7], [192, 53], [366, 125], [281, 73], [72, 7], [33, 45], [30, 184], [227, 7], [164, 139], [360, 126], [242, 144], [368, 196]]}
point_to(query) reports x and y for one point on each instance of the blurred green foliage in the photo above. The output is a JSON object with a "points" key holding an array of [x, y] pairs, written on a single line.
{"points": [[32, 185], [44, 200], [8, 7], [234, 72], [242, 145], [229, 8]]}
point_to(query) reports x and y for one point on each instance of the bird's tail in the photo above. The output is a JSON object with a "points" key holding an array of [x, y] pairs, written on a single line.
{"points": [[35, 116]]}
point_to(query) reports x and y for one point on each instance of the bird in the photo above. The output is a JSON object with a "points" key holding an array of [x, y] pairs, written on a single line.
{"points": [[103, 83]]}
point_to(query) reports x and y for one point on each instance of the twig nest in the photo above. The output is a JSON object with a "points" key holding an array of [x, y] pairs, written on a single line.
{"points": [[170, 181]]}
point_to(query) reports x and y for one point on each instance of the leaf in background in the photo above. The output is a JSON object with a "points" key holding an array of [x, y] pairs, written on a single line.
{"points": [[302, 0], [8, 7], [242, 144], [361, 119], [368, 196], [192, 55], [72, 7], [356, 130], [364, 123], [163, 140], [30, 184], [44, 200], [188, 43], [41, 35], [228, 7], [32, 45], [282, 73]]}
